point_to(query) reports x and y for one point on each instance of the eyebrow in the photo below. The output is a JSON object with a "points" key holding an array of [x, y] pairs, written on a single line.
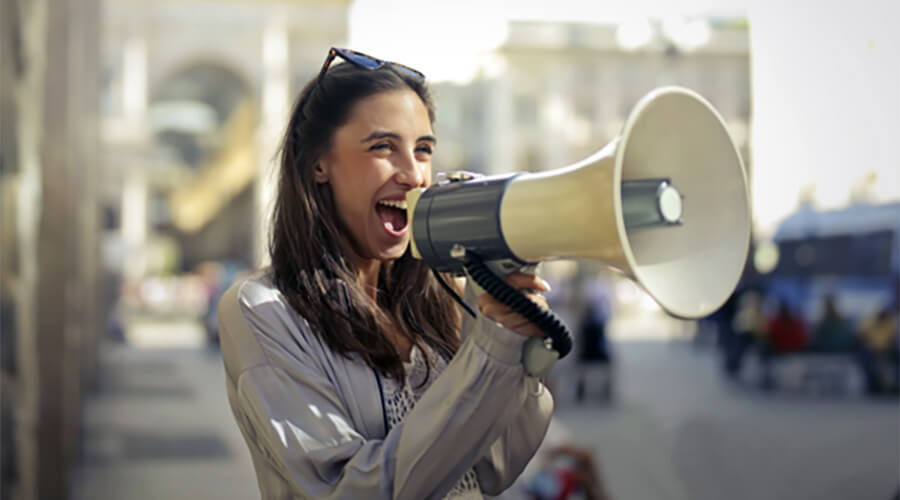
{"points": [[382, 134]]}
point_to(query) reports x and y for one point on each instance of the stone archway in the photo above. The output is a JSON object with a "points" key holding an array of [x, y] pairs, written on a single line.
{"points": [[203, 118], [192, 105]]}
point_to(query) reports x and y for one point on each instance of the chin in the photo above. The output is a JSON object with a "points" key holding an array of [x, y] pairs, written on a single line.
{"points": [[393, 253]]}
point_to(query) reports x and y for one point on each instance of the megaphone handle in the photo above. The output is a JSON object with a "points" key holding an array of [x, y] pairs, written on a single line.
{"points": [[546, 320]]}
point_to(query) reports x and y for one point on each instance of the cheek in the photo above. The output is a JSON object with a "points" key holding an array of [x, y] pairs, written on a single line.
{"points": [[426, 172], [352, 203], [355, 192]]}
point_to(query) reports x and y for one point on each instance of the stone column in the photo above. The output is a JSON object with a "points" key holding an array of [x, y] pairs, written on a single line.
{"points": [[134, 190], [49, 261], [498, 114], [276, 106]]}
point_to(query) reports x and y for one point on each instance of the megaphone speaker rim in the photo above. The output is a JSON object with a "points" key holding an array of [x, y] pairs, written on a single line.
{"points": [[634, 117]]}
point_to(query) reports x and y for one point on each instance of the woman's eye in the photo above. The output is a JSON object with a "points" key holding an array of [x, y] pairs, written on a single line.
{"points": [[381, 146], [424, 148]]}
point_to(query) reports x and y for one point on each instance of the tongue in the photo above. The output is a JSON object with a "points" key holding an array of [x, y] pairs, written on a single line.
{"points": [[393, 218]]}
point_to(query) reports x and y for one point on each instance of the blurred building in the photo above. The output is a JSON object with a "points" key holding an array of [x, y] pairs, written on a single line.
{"points": [[195, 97], [554, 93]]}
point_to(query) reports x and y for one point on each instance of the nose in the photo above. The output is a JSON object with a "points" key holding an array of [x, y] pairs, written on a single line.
{"points": [[410, 171]]}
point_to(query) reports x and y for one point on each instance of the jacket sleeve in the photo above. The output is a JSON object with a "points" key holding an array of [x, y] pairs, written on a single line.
{"points": [[507, 457], [287, 407]]}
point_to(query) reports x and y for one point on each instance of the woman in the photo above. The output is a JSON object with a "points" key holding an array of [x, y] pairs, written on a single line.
{"points": [[349, 370]]}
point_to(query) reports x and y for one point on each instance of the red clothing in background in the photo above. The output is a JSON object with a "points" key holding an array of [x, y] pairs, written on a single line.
{"points": [[787, 334]]}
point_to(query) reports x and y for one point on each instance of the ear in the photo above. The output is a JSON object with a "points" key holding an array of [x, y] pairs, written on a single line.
{"points": [[321, 172]]}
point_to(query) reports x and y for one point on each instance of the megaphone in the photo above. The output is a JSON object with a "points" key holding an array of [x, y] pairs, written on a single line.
{"points": [[665, 203]]}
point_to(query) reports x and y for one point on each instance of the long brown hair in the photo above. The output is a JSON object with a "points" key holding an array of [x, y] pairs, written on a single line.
{"points": [[307, 238]]}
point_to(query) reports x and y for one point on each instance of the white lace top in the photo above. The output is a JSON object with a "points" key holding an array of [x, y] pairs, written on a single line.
{"points": [[400, 399]]}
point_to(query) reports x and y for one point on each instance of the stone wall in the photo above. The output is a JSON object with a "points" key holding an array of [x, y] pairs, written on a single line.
{"points": [[49, 251]]}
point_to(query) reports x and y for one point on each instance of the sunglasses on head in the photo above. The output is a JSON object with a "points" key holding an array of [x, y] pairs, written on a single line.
{"points": [[368, 62]]}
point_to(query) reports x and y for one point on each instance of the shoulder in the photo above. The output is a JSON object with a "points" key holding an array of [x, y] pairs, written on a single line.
{"points": [[257, 326], [253, 298], [256, 286]]}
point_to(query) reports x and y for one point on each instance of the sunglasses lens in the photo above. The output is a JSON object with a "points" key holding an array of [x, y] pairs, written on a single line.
{"points": [[369, 62], [408, 72], [361, 59]]}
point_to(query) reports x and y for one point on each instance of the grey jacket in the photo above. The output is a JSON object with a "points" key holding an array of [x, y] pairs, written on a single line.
{"points": [[314, 420]]}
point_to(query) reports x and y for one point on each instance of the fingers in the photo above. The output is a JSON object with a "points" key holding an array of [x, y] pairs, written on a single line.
{"points": [[487, 302], [522, 281], [500, 313]]}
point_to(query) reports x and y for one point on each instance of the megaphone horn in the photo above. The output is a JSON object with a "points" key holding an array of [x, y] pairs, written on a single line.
{"points": [[665, 203]]}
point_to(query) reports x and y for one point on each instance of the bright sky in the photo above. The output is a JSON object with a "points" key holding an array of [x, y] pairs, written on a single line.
{"points": [[826, 108], [443, 38]]}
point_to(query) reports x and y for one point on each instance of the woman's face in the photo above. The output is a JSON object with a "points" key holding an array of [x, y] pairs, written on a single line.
{"points": [[380, 153]]}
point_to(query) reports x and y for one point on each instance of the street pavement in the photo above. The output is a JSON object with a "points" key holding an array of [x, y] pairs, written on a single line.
{"points": [[679, 430], [159, 427]]}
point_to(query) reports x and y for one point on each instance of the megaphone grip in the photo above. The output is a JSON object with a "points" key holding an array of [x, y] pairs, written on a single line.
{"points": [[546, 320]]}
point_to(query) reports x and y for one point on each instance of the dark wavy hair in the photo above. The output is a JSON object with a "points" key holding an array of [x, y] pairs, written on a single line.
{"points": [[307, 238]]}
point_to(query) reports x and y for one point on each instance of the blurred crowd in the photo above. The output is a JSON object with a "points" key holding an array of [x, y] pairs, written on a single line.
{"points": [[772, 329], [193, 295]]}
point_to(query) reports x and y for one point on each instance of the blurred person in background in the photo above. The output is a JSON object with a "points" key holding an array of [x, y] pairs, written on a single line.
{"points": [[786, 331], [595, 350], [785, 334], [879, 353], [749, 329], [349, 370], [217, 277], [833, 333], [212, 275], [718, 326]]}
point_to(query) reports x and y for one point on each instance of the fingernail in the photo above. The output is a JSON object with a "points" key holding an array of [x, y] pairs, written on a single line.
{"points": [[547, 287]]}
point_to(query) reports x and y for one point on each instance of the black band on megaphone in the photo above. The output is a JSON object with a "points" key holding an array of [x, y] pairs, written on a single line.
{"points": [[462, 214], [545, 319]]}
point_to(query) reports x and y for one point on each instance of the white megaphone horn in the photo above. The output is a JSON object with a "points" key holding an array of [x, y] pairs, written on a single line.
{"points": [[665, 203]]}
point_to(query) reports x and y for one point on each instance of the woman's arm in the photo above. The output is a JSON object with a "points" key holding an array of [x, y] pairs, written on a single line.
{"points": [[507, 457], [291, 412]]}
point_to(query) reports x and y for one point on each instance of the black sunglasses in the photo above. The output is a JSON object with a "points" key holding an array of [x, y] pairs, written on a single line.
{"points": [[366, 61]]}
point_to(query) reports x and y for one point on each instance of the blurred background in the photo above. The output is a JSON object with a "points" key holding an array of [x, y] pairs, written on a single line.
{"points": [[136, 177]]}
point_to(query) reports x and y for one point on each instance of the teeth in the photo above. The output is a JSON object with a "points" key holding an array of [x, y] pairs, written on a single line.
{"points": [[401, 204]]}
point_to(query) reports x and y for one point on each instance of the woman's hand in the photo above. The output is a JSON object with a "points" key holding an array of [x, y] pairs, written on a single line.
{"points": [[502, 314]]}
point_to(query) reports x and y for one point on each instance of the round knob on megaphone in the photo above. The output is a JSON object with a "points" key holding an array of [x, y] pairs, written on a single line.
{"points": [[689, 269]]}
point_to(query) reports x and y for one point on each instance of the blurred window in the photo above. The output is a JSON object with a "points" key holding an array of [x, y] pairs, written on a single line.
{"points": [[584, 91], [526, 110], [843, 255], [110, 218]]}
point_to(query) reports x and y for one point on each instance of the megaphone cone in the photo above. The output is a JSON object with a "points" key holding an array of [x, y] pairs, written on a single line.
{"points": [[578, 211], [665, 203]]}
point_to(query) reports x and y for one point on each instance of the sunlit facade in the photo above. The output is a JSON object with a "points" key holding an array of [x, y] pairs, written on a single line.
{"points": [[554, 93]]}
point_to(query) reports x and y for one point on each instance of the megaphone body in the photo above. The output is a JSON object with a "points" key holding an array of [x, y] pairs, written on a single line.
{"points": [[665, 203]]}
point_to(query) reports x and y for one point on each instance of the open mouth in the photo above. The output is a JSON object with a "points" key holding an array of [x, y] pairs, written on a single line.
{"points": [[392, 214]]}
